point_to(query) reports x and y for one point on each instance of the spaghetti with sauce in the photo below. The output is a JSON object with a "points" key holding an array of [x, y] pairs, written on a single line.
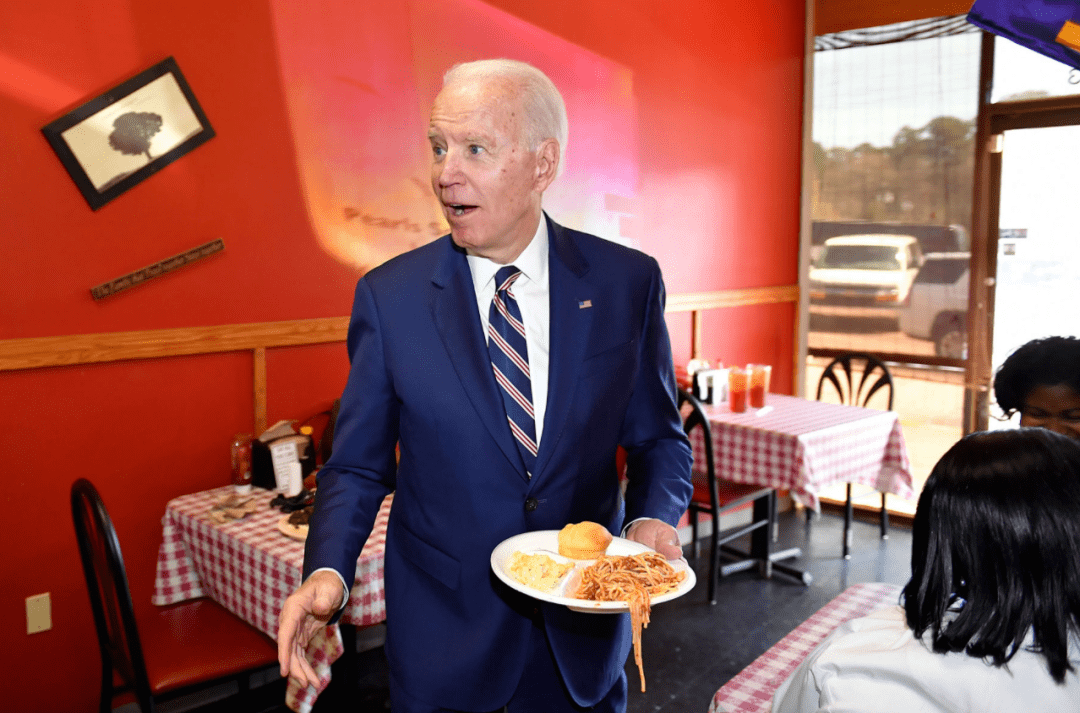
{"points": [[633, 579]]}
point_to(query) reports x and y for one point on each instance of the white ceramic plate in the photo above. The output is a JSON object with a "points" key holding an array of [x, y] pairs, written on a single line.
{"points": [[296, 532], [547, 542]]}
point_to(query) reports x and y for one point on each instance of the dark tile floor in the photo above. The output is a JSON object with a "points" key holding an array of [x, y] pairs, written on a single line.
{"points": [[690, 648]]}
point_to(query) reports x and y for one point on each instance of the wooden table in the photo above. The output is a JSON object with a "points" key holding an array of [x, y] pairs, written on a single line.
{"points": [[250, 567], [752, 689], [804, 446]]}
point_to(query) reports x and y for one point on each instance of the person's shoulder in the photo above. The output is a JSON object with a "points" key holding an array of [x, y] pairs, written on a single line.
{"points": [[419, 261], [888, 617], [590, 243], [859, 644], [884, 629], [598, 251]]}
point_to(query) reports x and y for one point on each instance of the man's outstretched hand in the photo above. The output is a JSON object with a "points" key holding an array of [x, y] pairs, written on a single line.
{"points": [[306, 610]]}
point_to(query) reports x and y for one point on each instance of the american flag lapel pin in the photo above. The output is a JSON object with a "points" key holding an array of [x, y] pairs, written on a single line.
{"points": [[584, 304]]}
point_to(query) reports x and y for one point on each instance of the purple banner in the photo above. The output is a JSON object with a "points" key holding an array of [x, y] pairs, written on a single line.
{"points": [[1049, 27]]}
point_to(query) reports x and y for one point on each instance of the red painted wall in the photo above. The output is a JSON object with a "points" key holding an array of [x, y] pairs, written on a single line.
{"points": [[718, 96], [719, 92]]}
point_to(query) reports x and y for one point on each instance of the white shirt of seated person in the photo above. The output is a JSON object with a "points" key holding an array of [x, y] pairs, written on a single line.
{"points": [[875, 664]]}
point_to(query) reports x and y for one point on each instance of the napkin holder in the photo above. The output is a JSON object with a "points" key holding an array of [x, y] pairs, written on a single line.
{"points": [[263, 473], [711, 385]]}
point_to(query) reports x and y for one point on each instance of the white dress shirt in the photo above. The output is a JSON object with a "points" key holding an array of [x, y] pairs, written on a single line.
{"points": [[875, 664], [533, 297]]}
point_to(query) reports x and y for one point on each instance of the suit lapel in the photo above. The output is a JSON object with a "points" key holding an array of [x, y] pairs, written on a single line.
{"points": [[454, 311], [568, 332]]}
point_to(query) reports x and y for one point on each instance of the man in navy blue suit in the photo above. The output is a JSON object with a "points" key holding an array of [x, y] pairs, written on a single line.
{"points": [[508, 361]]}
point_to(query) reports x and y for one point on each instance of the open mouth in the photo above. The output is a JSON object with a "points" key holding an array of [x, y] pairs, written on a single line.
{"points": [[459, 209]]}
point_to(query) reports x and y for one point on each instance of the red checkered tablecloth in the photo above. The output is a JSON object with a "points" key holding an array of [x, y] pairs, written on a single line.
{"points": [[804, 446], [250, 567], [752, 689]]}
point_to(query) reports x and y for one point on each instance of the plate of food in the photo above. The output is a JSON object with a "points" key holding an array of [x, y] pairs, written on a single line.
{"points": [[588, 570], [295, 524]]}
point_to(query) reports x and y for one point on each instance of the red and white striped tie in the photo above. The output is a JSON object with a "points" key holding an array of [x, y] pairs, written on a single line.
{"points": [[510, 361]]}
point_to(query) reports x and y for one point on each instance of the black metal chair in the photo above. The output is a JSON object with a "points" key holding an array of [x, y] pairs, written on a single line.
{"points": [[169, 651], [715, 496], [855, 377]]}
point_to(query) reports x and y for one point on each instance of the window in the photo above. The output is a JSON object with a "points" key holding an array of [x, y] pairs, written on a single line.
{"points": [[893, 155], [862, 257], [1020, 73], [943, 270]]}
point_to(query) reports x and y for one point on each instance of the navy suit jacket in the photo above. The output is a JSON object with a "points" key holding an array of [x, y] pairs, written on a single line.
{"points": [[457, 636]]}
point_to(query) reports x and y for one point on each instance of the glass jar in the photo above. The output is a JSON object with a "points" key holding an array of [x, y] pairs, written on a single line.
{"points": [[241, 463]]}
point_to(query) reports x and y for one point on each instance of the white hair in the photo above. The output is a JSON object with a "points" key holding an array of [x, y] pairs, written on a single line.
{"points": [[544, 108]]}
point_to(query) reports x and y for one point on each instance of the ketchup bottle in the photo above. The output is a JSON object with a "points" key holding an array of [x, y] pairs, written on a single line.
{"points": [[241, 463]]}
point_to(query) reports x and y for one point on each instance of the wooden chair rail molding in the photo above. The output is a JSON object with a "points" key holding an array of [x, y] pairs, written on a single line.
{"points": [[75, 349], [698, 302]]}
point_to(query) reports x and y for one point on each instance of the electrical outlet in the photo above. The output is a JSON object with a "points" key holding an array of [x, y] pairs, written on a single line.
{"points": [[38, 613]]}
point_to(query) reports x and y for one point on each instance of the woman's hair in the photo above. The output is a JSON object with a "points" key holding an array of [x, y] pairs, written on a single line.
{"points": [[1048, 361], [996, 539], [543, 104]]}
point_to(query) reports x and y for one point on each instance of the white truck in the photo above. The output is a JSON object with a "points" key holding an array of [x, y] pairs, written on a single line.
{"points": [[863, 275]]}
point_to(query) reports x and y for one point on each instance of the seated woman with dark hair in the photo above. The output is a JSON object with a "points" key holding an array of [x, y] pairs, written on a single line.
{"points": [[1041, 380], [990, 620]]}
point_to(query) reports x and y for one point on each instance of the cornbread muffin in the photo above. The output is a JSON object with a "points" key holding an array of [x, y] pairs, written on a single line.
{"points": [[584, 541]]}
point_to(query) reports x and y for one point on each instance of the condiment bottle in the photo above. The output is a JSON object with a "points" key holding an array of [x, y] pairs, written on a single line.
{"points": [[241, 463]]}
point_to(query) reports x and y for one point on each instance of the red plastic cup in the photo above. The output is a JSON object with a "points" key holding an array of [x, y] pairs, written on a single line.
{"points": [[760, 374], [738, 382]]}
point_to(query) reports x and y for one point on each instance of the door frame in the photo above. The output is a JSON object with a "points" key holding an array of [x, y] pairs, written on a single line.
{"points": [[992, 121]]}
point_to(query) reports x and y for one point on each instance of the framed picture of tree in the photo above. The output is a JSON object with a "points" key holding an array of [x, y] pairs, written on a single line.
{"points": [[120, 138]]}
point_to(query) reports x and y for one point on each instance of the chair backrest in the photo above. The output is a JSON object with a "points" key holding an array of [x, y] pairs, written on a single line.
{"points": [[326, 442], [695, 418], [855, 377], [107, 583]]}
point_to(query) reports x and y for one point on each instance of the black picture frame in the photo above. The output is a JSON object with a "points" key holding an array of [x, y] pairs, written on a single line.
{"points": [[120, 138]]}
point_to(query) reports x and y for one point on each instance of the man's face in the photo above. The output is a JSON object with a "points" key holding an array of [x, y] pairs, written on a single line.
{"points": [[488, 182], [1055, 407]]}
